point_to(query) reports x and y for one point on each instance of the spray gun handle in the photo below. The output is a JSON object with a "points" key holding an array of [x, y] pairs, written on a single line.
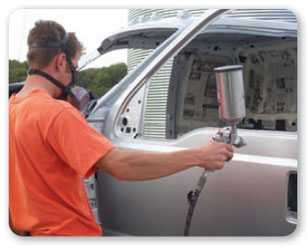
{"points": [[202, 180]]}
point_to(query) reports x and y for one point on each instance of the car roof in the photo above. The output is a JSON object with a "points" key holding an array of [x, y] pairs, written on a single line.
{"points": [[263, 22]]}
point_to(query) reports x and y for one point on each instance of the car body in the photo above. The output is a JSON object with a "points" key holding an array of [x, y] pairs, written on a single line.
{"points": [[168, 102]]}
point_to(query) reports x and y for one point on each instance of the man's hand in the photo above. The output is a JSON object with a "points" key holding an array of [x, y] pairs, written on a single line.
{"points": [[214, 155]]}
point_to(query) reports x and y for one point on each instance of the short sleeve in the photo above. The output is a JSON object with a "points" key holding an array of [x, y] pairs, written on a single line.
{"points": [[76, 143]]}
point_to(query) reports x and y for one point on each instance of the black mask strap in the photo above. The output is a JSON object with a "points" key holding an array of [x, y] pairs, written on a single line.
{"points": [[65, 90], [64, 48], [73, 70]]}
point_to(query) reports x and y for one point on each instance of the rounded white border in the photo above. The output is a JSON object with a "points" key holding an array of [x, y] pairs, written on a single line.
{"points": [[295, 241]]}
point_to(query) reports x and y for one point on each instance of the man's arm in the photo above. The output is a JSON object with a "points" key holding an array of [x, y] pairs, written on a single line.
{"points": [[142, 165]]}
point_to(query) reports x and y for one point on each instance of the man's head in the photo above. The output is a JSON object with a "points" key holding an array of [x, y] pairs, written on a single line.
{"points": [[52, 59]]}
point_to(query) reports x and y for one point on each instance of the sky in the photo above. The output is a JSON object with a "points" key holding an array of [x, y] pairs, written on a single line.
{"points": [[90, 25]]}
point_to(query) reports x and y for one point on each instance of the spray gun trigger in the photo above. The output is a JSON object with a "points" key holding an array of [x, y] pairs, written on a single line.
{"points": [[219, 137], [223, 135]]}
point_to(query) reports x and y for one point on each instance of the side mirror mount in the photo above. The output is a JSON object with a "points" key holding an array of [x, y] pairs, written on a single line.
{"points": [[81, 99]]}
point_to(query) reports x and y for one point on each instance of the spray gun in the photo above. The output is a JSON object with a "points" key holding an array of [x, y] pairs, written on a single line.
{"points": [[231, 108]]}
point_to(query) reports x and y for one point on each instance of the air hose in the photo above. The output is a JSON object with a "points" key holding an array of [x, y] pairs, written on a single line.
{"points": [[192, 198]]}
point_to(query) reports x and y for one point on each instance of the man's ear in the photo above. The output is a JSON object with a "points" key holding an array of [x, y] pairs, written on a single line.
{"points": [[60, 62]]}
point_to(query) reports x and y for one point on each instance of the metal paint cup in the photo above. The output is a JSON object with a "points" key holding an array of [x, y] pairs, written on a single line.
{"points": [[230, 93]]}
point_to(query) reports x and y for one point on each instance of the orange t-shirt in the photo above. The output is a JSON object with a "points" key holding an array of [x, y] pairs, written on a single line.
{"points": [[51, 150]]}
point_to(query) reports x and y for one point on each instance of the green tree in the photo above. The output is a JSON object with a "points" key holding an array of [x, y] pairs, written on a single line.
{"points": [[17, 71], [98, 80]]}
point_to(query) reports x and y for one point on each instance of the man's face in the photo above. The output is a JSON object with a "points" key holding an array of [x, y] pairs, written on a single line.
{"points": [[64, 70]]}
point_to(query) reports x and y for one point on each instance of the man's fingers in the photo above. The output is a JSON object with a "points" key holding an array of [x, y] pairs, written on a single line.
{"points": [[229, 158], [228, 154], [229, 148]]}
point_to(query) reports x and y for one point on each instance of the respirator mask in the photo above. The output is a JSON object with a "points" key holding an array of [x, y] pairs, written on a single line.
{"points": [[75, 95]]}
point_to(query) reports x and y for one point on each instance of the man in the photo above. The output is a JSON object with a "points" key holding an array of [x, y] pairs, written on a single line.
{"points": [[52, 147]]}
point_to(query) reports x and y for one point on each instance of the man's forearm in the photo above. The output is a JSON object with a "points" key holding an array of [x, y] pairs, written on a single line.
{"points": [[142, 165]]}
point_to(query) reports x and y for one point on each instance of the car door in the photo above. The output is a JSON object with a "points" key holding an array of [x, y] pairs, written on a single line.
{"points": [[252, 195]]}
